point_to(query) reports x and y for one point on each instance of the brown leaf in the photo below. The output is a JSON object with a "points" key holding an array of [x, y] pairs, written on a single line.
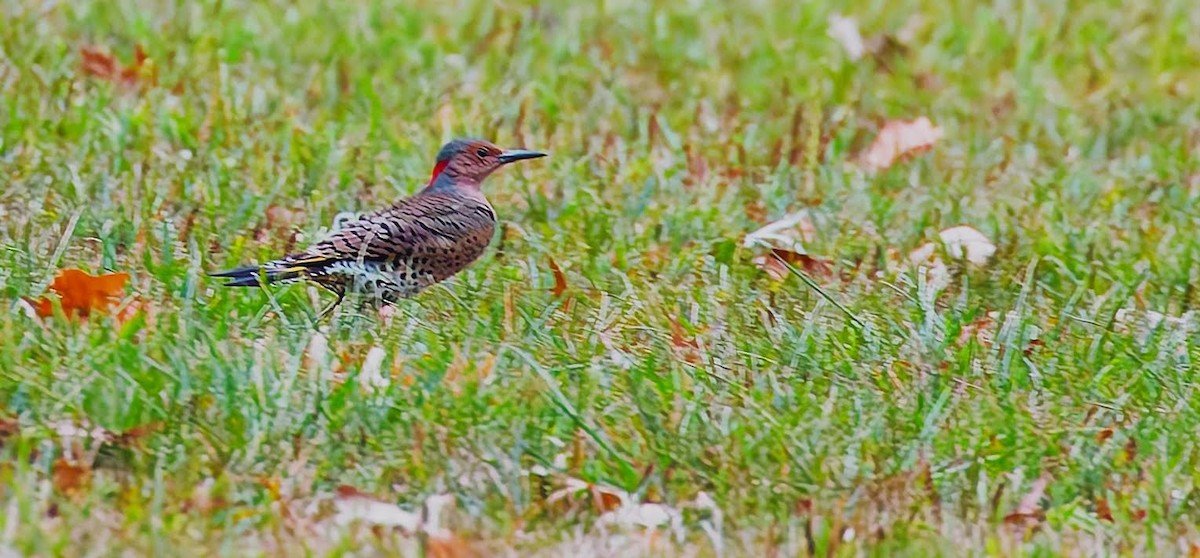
{"points": [[1103, 511], [560, 279], [898, 139], [102, 65], [787, 238], [80, 294], [70, 476], [818, 268], [576, 491]]}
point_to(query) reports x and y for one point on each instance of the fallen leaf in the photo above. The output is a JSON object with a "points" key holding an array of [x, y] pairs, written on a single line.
{"points": [[900, 138], [845, 31], [966, 242], [1103, 511], [102, 65], [789, 233], [786, 239], [819, 268], [560, 279], [603, 498], [70, 476], [961, 242], [80, 294]]}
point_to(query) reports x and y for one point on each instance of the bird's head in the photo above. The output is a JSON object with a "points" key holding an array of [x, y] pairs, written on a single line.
{"points": [[466, 162]]}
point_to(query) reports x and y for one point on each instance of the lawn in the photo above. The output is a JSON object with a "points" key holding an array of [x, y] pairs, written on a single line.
{"points": [[621, 356]]}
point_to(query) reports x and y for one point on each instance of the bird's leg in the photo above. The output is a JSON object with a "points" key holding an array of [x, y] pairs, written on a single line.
{"points": [[341, 293]]}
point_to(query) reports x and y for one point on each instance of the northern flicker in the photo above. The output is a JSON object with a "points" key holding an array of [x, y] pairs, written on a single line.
{"points": [[400, 250]]}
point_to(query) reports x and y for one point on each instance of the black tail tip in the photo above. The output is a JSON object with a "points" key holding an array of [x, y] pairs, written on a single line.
{"points": [[244, 276], [237, 271]]}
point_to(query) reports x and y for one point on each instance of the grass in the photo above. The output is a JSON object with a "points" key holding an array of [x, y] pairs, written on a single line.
{"points": [[671, 365]]}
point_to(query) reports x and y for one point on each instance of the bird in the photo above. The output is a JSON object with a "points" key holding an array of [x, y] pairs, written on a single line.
{"points": [[400, 250]]}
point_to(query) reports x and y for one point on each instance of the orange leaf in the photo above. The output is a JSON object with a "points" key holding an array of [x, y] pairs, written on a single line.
{"points": [[80, 293], [560, 280], [102, 65], [68, 476], [98, 63], [900, 138]]}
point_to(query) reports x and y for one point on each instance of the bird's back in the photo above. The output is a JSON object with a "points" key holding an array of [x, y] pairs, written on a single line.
{"points": [[402, 249]]}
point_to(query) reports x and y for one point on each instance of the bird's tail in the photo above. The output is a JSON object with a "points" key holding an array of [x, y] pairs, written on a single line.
{"points": [[254, 275]]}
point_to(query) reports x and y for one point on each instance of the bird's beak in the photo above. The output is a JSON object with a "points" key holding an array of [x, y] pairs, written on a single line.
{"points": [[514, 155]]}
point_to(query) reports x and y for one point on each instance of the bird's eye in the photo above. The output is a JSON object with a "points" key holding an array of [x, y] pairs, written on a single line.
{"points": [[483, 152]]}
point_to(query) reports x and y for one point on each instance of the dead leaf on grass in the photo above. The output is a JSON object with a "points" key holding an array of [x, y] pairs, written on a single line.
{"points": [[898, 139], [80, 294], [786, 239], [575, 491], [790, 233], [70, 476], [818, 268], [102, 65], [964, 242], [560, 279], [961, 242]]}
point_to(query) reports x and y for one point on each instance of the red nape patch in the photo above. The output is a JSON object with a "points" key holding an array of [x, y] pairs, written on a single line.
{"points": [[437, 169]]}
